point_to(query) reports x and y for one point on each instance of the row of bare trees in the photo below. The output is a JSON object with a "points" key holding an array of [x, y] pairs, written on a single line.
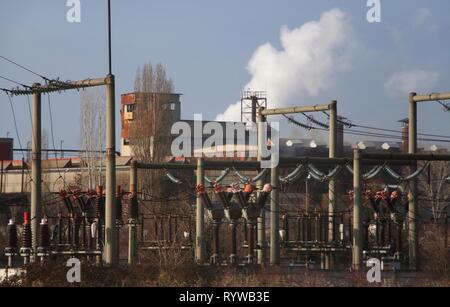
{"points": [[150, 130], [434, 189], [92, 120]]}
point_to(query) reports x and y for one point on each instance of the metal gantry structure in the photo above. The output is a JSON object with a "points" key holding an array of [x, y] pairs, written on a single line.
{"points": [[35, 225], [110, 250], [36, 171]]}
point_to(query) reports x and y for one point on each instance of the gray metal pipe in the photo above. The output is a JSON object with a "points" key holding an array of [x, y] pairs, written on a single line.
{"points": [[431, 97], [300, 109], [372, 159], [357, 207], [406, 158], [36, 171], [200, 217], [110, 208]]}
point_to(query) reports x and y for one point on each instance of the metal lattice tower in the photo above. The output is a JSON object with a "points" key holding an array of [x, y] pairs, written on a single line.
{"points": [[250, 102]]}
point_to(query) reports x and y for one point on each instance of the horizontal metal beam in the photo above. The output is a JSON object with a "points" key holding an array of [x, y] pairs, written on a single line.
{"points": [[405, 157], [300, 109], [254, 165], [58, 86], [65, 151], [432, 97], [208, 165]]}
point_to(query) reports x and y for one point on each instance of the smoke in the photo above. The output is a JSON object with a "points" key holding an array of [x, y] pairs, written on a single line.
{"points": [[306, 65], [402, 83]]}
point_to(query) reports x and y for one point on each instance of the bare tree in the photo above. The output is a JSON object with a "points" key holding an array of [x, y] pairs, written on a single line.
{"points": [[151, 79], [150, 131], [92, 114], [435, 188]]}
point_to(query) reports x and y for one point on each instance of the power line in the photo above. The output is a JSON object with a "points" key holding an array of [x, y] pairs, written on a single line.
{"points": [[23, 67], [13, 81], [53, 137], [358, 132], [351, 124]]}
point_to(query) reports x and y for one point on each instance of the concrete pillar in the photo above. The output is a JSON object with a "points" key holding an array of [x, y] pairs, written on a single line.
{"points": [[275, 218], [357, 207], [110, 204], [36, 171], [200, 217], [412, 212], [332, 193], [133, 218]]}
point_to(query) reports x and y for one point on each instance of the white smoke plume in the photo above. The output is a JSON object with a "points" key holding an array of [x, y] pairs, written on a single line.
{"points": [[311, 56]]}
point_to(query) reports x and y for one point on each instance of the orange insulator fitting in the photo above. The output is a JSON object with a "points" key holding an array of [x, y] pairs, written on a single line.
{"points": [[248, 188], [99, 190], [26, 218], [200, 189], [217, 188], [394, 195]]}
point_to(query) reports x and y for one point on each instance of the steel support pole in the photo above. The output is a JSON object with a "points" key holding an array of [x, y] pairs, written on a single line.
{"points": [[36, 171], [274, 217], [357, 207], [133, 219], [412, 212], [110, 204], [332, 204], [200, 218], [261, 222]]}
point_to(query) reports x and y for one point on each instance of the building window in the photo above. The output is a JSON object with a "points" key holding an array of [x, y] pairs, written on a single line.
{"points": [[126, 142], [129, 108], [173, 106]]}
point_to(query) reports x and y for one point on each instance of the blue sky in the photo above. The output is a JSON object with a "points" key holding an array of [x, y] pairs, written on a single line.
{"points": [[207, 46]]}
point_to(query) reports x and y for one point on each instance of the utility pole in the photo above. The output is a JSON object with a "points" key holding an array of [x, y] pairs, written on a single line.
{"points": [[133, 220], [275, 216], [36, 185], [200, 217], [412, 210], [332, 205], [261, 222], [357, 207], [110, 212]]}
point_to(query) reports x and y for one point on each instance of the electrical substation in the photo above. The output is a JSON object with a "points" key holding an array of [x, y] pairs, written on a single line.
{"points": [[328, 208]]}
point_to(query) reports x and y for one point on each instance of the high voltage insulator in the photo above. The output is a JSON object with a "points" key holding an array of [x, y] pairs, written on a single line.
{"points": [[264, 195], [45, 234], [26, 233], [99, 203], [248, 190], [80, 201], [66, 200], [133, 207], [12, 235]]}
